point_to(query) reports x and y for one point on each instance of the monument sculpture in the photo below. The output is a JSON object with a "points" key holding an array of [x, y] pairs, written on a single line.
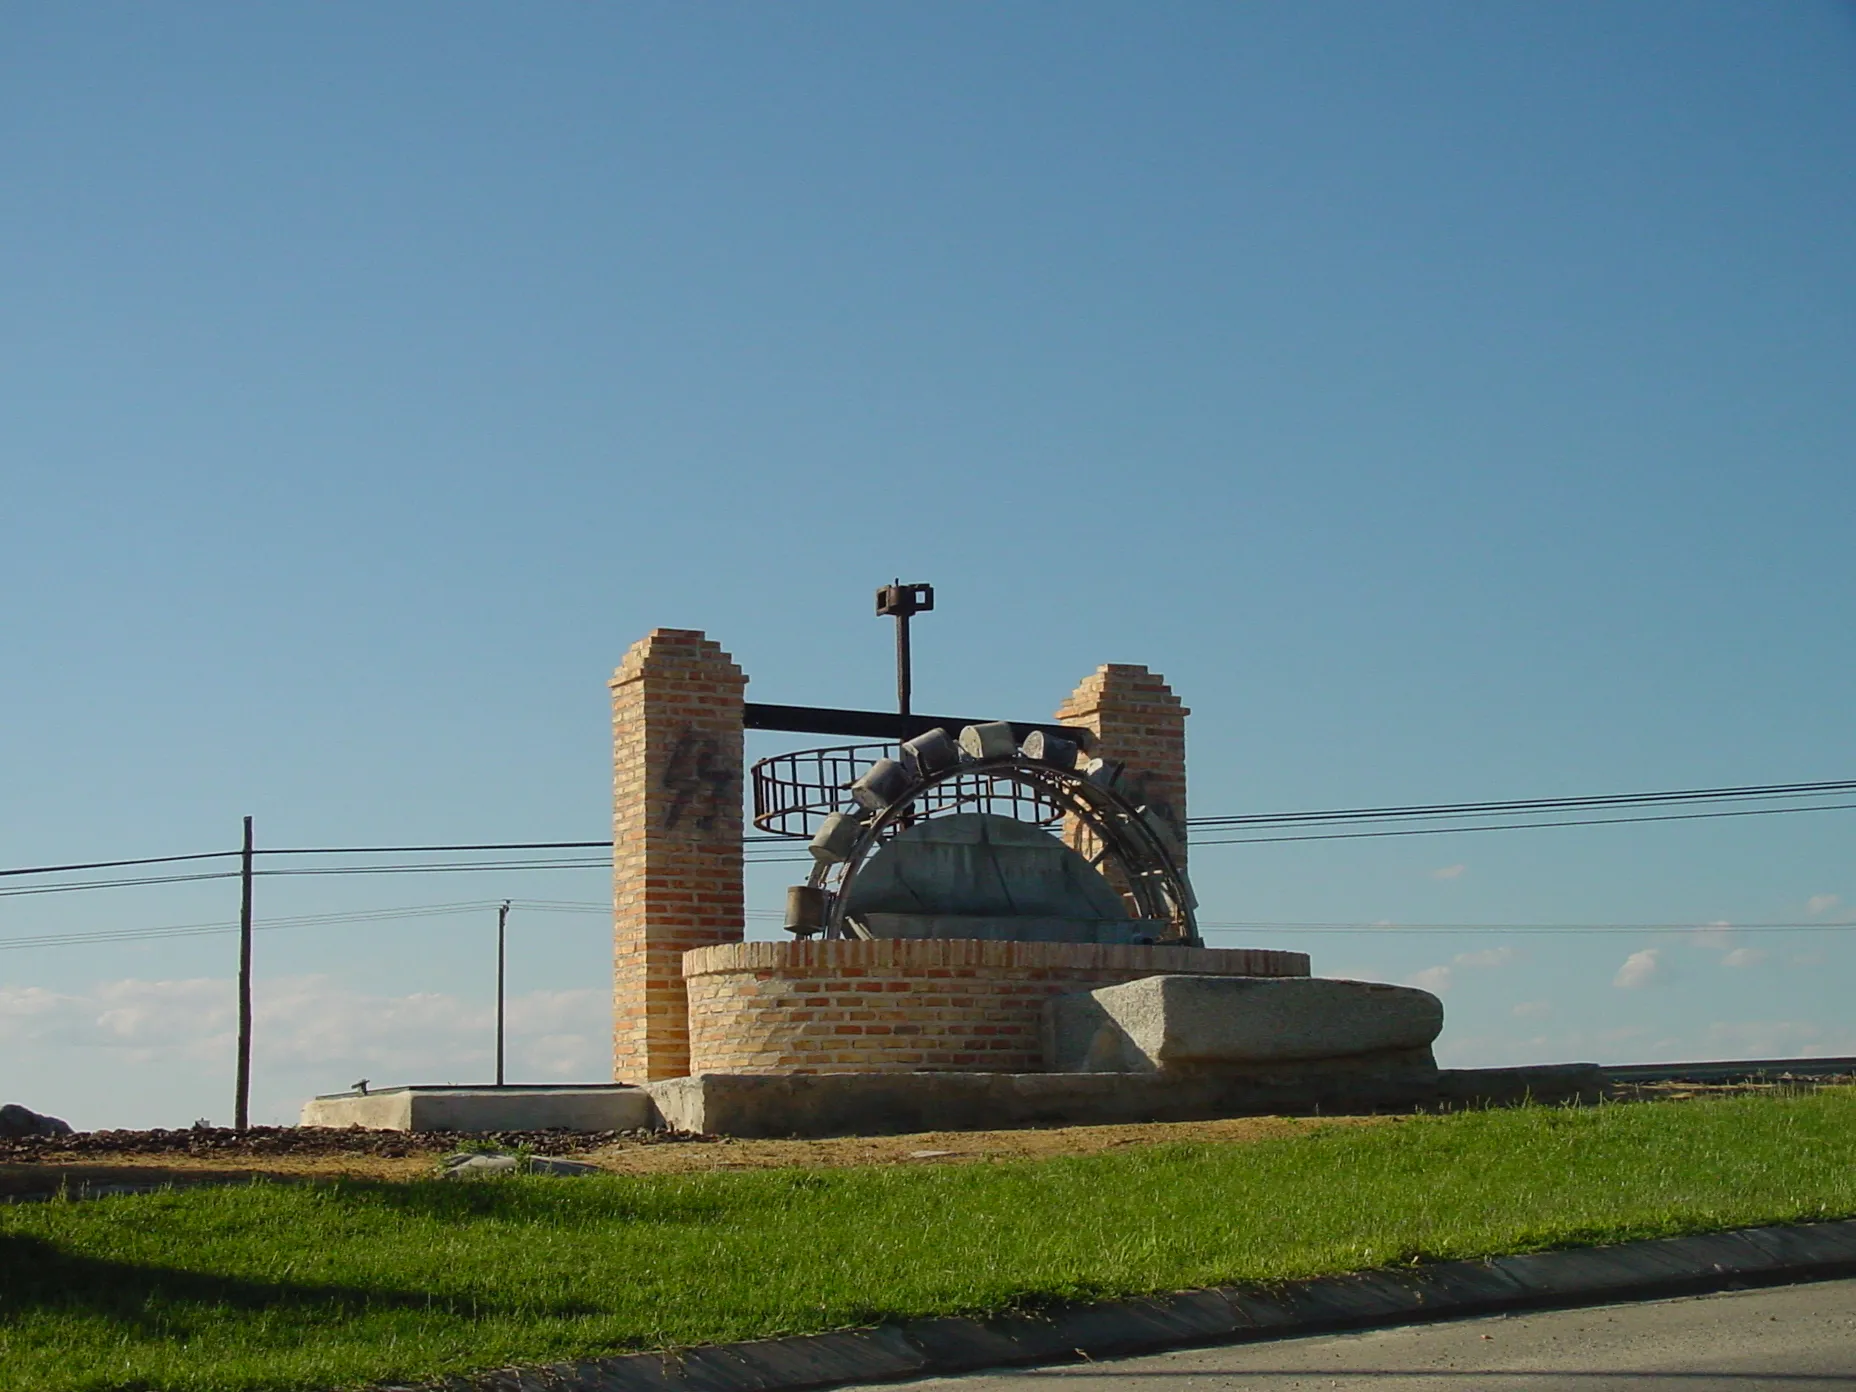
{"points": [[980, 890], [998, 929]]}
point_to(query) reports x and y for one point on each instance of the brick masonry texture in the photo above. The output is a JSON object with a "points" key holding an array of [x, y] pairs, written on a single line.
{"points": [[676, 837], [912, 1005], [1136, 718]]}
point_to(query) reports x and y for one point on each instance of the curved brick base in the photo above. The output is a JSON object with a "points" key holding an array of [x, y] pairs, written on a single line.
{"points": [[908, 1005]]}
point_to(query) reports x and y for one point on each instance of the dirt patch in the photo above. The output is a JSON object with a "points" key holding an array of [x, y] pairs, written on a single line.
{"points": [[304, 1142], [93, 1163], [108, 1162], [951, 1147], [102, 1162]]}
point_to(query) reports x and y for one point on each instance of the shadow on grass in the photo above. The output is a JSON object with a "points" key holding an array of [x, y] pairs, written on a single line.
{"points": [[37, 1276], [534, 1200]]}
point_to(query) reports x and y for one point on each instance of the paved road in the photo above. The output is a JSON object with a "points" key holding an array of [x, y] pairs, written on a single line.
{"points": [[1792, 1337]]}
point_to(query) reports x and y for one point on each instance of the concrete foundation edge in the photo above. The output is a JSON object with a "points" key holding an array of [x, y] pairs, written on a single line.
{"points": [[1448, 1290], [850, 1104], [773, 1105]]}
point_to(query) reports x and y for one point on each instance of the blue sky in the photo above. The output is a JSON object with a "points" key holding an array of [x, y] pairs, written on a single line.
{"points": [[1451, 400]]}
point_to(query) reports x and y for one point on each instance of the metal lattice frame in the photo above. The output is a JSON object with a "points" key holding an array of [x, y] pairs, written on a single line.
{"points": [[795, 793], [1128, 840]]}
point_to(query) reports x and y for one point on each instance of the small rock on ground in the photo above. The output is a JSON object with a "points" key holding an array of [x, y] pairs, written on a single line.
{"points": [[478, 1164]]}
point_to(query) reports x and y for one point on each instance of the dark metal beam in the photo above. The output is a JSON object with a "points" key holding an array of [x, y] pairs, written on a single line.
{"points": [[882, 725]]}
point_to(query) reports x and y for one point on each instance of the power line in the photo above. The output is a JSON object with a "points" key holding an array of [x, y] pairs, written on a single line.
{"points": [[422, 850], [1471, 809], [115, 864], [1559, 929], [323, 920], [116, 884], [1252, 927], [760, 858], [182, 930], [750, 839], [430, 868], [442, 867], [1525, 826], [767, 849]]}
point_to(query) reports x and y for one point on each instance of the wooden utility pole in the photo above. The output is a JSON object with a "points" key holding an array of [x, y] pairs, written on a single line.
{"points": [[241, 1110], [502, 944]]}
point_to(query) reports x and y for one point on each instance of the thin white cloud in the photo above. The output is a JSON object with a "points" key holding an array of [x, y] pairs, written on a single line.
{"points": [[1639, 969], [1718, 935], [1821, 904], [313, 1026], [1436, 980], [1744, 957], [187, 1018], [20, 1003], [1450, 872], [1487, 957], [1531, 1010]]}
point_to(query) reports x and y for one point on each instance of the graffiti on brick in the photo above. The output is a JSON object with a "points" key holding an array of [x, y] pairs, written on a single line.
{"points": [[700, 779]]}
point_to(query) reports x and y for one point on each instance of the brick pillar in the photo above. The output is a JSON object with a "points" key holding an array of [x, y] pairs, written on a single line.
{"points": [[676, 837], [1137, 719]]}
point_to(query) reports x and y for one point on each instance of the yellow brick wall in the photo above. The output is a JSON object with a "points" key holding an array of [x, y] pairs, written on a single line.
{"points": [[676, 837], [907, 1006]]}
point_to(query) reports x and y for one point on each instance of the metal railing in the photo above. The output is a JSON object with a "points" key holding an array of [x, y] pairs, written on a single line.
{"points": [[794, 793]]}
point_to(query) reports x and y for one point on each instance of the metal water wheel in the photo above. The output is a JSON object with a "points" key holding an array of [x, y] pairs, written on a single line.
{"points": [[1125, 848]]}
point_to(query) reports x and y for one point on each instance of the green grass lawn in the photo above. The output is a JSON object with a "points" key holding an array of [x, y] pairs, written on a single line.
{"points": [[342, 1283]]}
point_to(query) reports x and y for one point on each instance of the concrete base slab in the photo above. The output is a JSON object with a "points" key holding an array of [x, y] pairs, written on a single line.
{"points": [[589, 1107], [873, 1104], [879, 1104]]}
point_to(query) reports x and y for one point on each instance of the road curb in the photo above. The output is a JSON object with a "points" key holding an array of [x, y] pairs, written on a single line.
{"points": [[1229, 1314]]}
